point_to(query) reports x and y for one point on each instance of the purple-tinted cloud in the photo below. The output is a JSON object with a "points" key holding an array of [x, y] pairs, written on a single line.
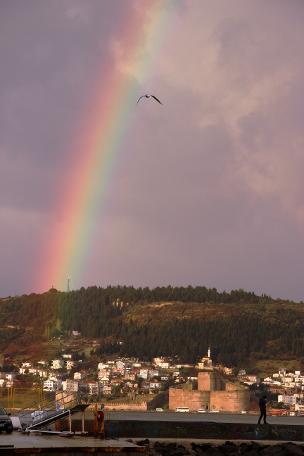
{"points": [[207, 189]]}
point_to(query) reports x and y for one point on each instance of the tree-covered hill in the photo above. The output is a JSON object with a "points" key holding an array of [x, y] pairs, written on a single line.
{"points": [[143, 322]]}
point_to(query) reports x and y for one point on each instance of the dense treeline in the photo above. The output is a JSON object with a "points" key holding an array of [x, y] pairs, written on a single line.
{"points": [[233, 340], [239, 325], [169, 293]]}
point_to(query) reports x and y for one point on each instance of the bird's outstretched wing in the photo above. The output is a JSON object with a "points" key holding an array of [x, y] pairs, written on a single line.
{"points": [[142, 96], [153, 96]]}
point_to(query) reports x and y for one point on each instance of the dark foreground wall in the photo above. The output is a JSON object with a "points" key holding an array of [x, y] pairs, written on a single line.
{"points": [[207, 430], [192, 430]]}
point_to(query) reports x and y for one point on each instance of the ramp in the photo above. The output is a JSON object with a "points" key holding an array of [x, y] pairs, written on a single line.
{"points": [[49, 419], [49, 412]]}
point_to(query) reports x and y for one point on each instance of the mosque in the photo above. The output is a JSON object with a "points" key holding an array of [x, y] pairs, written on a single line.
{"points": [[205, 362]]}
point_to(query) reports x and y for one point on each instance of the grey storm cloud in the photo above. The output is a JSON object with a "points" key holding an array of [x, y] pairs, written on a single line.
{"points": [[206, 189]]}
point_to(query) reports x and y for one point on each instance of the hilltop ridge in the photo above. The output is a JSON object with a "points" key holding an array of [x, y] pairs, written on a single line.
{"points": [[241, 327]]}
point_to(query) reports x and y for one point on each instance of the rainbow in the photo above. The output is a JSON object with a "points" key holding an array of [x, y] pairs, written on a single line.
{"points": [[103, 133]]}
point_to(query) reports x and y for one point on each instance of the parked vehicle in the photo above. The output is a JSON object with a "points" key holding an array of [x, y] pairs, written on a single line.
{"points": [[159, 409], [182, 409], [202, 411], [5, 421]]}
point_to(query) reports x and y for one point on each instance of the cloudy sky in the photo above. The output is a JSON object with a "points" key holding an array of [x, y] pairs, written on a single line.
{"points": [[206, 189]]}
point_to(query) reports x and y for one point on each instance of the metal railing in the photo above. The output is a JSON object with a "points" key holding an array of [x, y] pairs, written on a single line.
{"points": [[48, 409]]}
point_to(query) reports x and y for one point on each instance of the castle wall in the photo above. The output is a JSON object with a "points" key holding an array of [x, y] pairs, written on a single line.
{"points": [[213, 393], [126, 406], [229, 401], [195, 400], [232, 386], [204, 382]]}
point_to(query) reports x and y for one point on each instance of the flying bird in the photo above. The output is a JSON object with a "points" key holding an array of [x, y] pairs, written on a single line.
{"points": [[149, 96]]}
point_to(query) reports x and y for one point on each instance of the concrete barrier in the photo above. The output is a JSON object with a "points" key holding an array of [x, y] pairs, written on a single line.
{"points": [[191, 429], [205, 430]]}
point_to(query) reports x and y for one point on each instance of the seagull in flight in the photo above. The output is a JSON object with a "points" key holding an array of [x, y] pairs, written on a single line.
{"points": [[149, 96]]}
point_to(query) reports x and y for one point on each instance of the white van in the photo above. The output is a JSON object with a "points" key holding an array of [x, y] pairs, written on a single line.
{"points": [[182, 409]]}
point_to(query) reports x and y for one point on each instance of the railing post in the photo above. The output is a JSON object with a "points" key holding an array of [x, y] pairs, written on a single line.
{"points": [[82, 422], [70, 421]]}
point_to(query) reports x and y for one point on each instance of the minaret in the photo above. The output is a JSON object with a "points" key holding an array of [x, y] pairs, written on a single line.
{"points": [[209, 352]]}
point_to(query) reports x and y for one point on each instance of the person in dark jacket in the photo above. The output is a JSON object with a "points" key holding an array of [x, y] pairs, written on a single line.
{"points": [[262, 405]]}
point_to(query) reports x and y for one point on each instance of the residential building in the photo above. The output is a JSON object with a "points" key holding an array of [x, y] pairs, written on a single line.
{"points": [[69, 364], [49, 385], [57, 364], [70, 386]]}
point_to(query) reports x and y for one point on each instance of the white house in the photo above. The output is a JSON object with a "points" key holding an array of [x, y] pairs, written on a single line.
{"points": [[153, 373], [9, 377], [287, 400], [164, 378], [69, 364], [49, 385], [158, 361], [106, 390], [155, 385], [57, 364], [143, 373], [70, 386], [32, 370], [42, 373], [93, 388]]}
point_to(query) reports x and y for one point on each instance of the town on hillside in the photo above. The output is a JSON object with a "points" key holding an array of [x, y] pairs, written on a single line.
{"points": [[161, 384]]}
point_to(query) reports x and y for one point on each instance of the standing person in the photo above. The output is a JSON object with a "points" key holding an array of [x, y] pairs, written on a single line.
{"points": [[99, 417], [262, 405]]}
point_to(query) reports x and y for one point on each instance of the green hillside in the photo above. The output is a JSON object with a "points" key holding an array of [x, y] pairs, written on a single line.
{"points": [[242, 328]]}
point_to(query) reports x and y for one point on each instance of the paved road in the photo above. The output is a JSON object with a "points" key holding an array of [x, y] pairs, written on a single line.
{"points": [[215, 417]]}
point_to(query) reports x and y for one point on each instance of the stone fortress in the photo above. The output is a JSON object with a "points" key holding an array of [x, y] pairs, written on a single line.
{"points": [[214, 392]]}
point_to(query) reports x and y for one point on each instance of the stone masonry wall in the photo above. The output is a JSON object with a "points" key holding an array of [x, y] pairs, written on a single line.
{"points": [[210, 381], [232, 401], [195, 400], [126, 406], [232, 386], [204, 381]]}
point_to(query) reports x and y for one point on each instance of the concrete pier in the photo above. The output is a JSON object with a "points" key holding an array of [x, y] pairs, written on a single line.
{"points": [[46, 445]]}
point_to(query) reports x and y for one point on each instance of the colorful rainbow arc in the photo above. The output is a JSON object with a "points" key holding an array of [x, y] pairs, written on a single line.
{"points": [[101, 141]]}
